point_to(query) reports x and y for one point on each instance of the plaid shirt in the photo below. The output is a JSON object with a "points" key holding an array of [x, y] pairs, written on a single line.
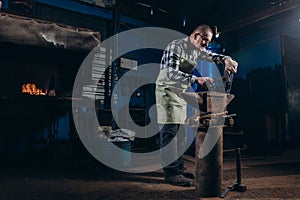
{"points": [[178, 61], [182, 49]]}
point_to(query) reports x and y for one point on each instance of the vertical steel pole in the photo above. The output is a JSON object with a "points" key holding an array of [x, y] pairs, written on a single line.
{"points": [[115, 25], [115, 45]]}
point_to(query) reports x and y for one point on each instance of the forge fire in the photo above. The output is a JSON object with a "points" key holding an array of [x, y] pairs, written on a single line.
{"points": [[32, 89]]}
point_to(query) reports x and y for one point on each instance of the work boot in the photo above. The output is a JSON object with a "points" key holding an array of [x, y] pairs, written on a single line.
{"points": [[179, 180], [186, 173]]}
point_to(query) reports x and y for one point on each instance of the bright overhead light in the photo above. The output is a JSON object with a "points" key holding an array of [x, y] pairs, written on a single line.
{"points": [[217, 32]]}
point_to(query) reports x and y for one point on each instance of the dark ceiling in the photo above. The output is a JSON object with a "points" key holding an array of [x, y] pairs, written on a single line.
{"points": [[228, 15]]}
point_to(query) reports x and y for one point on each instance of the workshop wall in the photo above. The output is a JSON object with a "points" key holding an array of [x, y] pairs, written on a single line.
{"points": [[263, 47], [260, 86]]}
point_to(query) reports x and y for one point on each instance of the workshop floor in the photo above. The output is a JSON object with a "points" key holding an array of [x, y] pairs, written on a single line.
{"points": [[273, 177]]}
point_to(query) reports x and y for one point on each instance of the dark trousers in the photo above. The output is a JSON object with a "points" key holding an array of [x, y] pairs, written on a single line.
{"points": [[169, 132]]}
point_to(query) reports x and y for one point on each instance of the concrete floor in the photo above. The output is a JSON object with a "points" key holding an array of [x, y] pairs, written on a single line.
{"points": [[273, 177]]}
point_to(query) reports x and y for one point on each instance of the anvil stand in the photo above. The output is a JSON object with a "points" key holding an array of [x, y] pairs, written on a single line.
{"points": [[237, 184], [209, 142]]}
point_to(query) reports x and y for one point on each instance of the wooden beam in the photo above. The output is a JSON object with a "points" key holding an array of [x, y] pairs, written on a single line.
{"points": [[285, 6], [28, 31]]}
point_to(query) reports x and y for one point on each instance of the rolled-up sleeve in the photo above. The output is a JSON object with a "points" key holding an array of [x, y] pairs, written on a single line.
{"points": [[209, 56]]}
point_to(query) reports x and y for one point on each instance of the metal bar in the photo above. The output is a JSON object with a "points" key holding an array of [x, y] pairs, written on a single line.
{"points": [[228, 189], [238, 166]]}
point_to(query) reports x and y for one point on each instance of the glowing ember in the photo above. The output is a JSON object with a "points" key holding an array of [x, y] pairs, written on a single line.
{"points": [[31, 89]]}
